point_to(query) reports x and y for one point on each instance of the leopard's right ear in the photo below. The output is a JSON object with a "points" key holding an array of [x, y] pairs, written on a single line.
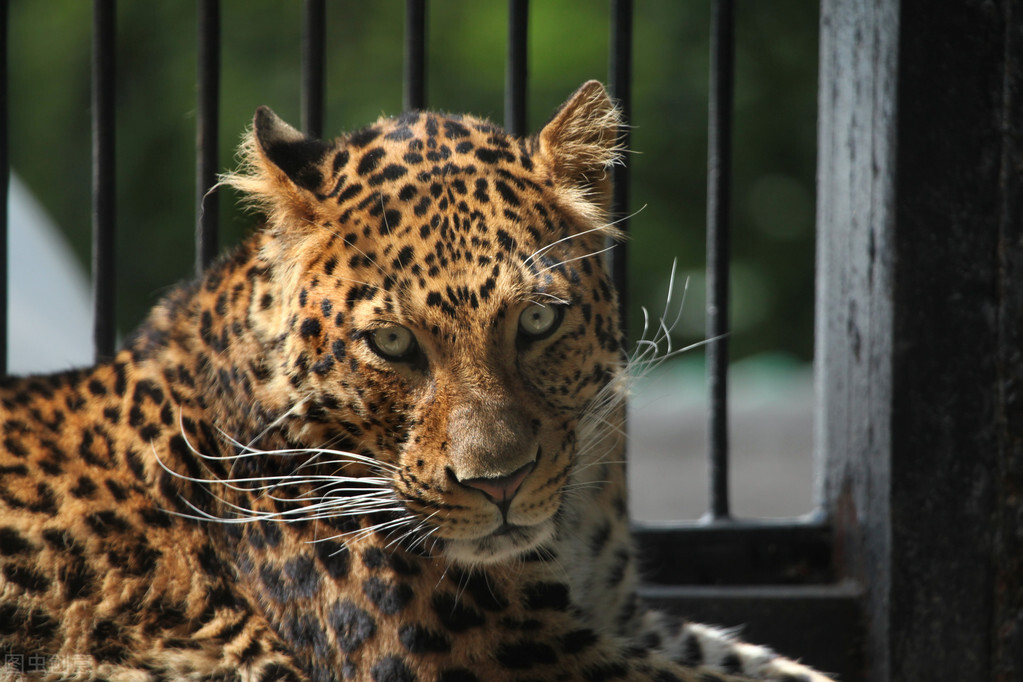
{"points": [[580, 145], [282, 170]]}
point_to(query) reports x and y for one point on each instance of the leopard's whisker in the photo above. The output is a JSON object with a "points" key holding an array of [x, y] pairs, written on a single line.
{"points": [[585, 255], [600, 228]]}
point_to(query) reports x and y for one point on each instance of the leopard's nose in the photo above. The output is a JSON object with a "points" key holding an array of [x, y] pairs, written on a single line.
{"points": [[502, 489]]}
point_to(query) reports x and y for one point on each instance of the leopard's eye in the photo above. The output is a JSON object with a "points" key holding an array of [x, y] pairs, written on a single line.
{"points": [[539, 321], [393, 343]]}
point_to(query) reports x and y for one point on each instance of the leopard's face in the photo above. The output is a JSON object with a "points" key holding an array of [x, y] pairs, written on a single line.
{"points": [[444, 309]]}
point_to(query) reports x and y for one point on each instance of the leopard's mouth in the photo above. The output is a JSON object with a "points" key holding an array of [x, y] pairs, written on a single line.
{"points": [[509, 529], [507, 541]]}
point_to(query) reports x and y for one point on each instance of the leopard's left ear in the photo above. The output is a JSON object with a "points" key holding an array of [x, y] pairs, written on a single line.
{"points": [[281, 170], [580, 144]]}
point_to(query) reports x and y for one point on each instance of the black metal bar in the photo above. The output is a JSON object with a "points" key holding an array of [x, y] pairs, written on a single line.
{"points": [[621, 90], [207, 134], [719, 172], [414, 94], [103, 176], [5, 178], [313, 51], [516, 68], [760, 552]]}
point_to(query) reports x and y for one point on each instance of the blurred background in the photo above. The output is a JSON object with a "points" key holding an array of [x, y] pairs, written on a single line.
{"points": [[773, 193]]}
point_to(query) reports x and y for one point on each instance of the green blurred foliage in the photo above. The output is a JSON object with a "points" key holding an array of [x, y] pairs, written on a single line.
{"points": [[774, 138]]}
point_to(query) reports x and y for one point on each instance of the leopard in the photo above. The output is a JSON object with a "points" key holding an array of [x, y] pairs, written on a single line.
{"points": [[380, 439]]}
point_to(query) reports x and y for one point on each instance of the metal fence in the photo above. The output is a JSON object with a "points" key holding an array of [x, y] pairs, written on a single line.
{"points": [[719, 551]]}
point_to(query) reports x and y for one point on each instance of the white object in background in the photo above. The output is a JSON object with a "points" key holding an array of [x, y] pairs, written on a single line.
{"points": [[50, 309]]}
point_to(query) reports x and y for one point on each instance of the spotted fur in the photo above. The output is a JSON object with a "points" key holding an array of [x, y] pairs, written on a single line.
{"points": [[380, 440]]}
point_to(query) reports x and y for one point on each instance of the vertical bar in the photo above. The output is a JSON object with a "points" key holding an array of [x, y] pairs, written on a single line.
{"points": [[621, 90], [719, 171], [920, 259], [207, 138], [414, 94], [5, 178], [313, 50], [516, 73], [103, 176]]}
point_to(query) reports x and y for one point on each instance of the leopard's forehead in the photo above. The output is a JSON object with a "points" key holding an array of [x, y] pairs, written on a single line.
{"points": [[426, 198]]}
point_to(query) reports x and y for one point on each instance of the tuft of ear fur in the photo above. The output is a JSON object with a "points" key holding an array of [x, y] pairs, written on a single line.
{"points": [[580, 144], [280, 170]]}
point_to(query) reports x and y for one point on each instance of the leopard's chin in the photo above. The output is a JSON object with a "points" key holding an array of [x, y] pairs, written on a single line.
{"points": [[506, 543]]}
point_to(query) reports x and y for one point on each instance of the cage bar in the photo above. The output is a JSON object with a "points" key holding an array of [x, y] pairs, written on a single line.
{"points": [[313, 68], [103, 176], [719, 177], [414, 92], [621, 89], [207, 137], [516, 70], [5, 178]]}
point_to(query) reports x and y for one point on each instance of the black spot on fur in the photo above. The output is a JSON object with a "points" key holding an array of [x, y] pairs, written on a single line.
{"points": [[605, 672], [105, 522], [390, 221], [32, 624], [301, 571], [692, 652], [116, 490], [349, 192], [525, 654], [598, 541], [310, 327], [507, 242], [419, 639], [731, 664], [391, 172], [487, 155], [507, 193], [546, 596], [457, 675], [271, 533], [274, 583], [26, 578], [404, 257], [374, 558], [340, 159], [620, 563], [389, 598], [363, 137], [486, 595], [335, 558], [578, 640], [370, 160], [305, 632], [323, 366], [454, 130], [276, 672], [11, 542], [392, 669], [402, 566], [351, 625], [454, 614]]}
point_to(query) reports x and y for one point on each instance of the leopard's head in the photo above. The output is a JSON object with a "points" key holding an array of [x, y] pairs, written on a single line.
{"points": [[440, 304]]}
